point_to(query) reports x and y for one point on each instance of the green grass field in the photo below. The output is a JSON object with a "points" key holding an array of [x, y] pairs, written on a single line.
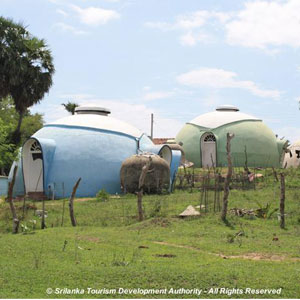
{"points": [[110, 250]]}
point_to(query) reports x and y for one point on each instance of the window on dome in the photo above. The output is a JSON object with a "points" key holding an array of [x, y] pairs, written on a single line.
{"points": [[36, 151], [35, 147], [210, 138]]}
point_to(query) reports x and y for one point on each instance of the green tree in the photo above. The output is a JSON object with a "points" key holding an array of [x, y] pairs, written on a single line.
{"points": [[70, 107], [7, 150], [27, 69], [8, 121]]}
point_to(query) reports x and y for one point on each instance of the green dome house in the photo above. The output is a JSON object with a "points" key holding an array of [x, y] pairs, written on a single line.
{"points": [[204, 140]]}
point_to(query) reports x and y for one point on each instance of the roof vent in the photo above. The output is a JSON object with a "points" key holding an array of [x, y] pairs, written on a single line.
{"points": [[227, 108], [94, 110]]}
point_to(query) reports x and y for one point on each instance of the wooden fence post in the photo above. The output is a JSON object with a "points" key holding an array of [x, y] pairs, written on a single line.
{"points": [[142, 178], [230, 136], [43, 225], [282, 200], [71, 203], [16, 221]]}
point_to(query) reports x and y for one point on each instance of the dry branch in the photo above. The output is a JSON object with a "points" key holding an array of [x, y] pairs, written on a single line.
{"points": [[230, 136], [282, 200], [71, 203], [16, 221], [144, 172]]}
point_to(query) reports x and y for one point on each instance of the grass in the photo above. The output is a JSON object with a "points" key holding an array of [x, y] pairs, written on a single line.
{"points": [[110, 249]]}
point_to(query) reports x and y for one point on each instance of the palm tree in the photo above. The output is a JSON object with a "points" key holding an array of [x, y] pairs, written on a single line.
{"points": [[28, 68], [70, 107]]}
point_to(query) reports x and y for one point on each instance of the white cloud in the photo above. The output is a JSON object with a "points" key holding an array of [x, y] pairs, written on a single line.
{"points": [[259, 24], [192, 26], [68, 28], [62, 12], [266, 23], [220, 79], [191, 39], [76, 97], [158, 95], [193, 20], [94, 15]]}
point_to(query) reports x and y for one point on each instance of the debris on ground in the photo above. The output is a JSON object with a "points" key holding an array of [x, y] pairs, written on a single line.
{"points": [[165, 255], [190, 211]]}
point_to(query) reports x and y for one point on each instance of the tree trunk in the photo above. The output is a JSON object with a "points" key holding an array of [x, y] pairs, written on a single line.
{"points": [[71, 201], [144, 172], [16, 138], [282, 200], [43, 225], [230, 136], [16, 221]]}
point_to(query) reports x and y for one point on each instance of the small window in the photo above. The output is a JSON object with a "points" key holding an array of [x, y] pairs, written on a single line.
{"points": [[210, 138], [35, 147]]}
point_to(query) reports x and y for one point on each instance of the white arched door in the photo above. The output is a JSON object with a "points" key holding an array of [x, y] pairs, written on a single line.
{"points": [[33, 166], [208, 150]]}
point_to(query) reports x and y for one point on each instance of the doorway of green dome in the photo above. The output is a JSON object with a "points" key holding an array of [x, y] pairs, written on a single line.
{"points": [[208, 150]]}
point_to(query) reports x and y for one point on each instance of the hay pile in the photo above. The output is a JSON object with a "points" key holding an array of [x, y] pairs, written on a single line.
{"points": [[157, 179]]}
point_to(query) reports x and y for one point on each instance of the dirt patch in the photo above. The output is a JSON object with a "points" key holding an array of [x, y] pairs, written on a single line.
{"points": [[83, 199], [250, 256], [143, 247]]}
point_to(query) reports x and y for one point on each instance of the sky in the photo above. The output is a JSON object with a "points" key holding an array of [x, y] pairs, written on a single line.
{"points": [[176, 59]]}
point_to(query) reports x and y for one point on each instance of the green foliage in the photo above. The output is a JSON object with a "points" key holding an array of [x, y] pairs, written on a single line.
{"points": [[7, 150], [264, 211], [102, 195], [70, 107], [26, 68], [8, 122]]}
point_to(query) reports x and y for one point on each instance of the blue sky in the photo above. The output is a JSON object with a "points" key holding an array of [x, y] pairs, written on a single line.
{"points": [[174, 58]]}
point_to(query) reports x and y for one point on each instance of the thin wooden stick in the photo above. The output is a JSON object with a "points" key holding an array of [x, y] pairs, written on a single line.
{"points": [[282, 200], [142, 178], [16, 220], [230, 136], [71, 203]]}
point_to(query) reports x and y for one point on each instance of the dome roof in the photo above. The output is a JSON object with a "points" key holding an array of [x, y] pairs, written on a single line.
{"points": [[223, 115], [296, 144], [92, 119]]}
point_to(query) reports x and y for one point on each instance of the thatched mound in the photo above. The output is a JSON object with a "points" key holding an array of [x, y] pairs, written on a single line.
{"points": [[157, 179]]}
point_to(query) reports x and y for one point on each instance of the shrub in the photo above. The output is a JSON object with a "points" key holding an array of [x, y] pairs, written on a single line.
{"points": [[102, 195]]}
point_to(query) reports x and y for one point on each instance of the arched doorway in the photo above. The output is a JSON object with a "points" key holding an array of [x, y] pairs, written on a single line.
{"points": [[208, 150], [32, 158]]}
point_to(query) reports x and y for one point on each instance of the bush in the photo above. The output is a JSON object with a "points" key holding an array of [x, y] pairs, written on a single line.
{"points": [[102, 195]]}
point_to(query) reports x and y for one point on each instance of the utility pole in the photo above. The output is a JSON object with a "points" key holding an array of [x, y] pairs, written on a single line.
{"points": [[151, 126]]}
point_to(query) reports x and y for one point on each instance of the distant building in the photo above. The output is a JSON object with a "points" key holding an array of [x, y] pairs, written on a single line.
{"points": [[161, 141], [204, 140], [91, 145], [292, 157]]}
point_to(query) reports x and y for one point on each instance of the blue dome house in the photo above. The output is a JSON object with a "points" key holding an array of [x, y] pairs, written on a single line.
{"points": [[91, 145]]}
